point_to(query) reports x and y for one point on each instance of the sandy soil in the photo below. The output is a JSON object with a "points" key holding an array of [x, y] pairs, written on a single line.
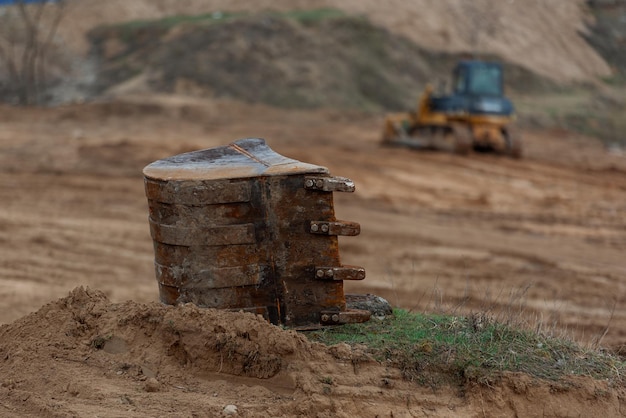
{"points": [[539, 239], [145, 360]]}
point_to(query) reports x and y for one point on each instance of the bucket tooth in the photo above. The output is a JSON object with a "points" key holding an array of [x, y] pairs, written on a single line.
{"points": [[329, 184], [340, 273], [349, 316], [344, 228]]}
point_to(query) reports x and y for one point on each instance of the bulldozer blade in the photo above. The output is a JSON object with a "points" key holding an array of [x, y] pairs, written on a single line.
{"points": [[411, 142], [424, 143]]}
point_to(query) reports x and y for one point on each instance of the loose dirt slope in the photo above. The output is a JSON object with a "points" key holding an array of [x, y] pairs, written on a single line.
{"points": [[83, 356], [541, 239], [543, 36]]}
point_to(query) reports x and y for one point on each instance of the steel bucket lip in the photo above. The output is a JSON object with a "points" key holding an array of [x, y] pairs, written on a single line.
{"points": [[245, 158]]}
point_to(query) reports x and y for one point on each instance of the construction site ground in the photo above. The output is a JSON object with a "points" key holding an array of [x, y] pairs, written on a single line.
{"points": [[540, 239]]}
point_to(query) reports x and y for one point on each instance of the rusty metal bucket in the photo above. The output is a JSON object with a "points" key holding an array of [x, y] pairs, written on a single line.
{"points": [[241, 227]]}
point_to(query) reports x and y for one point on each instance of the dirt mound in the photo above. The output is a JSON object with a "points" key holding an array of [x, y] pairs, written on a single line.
{"points": [[320, 58], [154, 339], [83, 355], [540, 36]]}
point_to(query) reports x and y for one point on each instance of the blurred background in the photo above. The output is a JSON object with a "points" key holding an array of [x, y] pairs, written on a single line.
{"points": [[338, 54]]}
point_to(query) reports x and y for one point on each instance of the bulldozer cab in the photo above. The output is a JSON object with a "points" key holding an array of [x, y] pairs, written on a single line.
{"points": [[477, 78], [477, 89]]}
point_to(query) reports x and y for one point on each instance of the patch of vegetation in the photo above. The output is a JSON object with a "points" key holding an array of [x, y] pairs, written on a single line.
{"points": [[127, 29], [315, 15], [172, 21], [432, 348], [146, 33]]}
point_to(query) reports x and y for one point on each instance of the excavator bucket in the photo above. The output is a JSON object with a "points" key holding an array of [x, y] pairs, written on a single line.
{"points": [[241, 227]]}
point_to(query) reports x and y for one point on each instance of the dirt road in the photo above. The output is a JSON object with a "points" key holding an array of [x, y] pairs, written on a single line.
{"points": [[438, 231], [540, 239]]}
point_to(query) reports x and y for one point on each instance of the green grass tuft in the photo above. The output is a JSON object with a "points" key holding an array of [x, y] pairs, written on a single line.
{"points": [[172, 21], [314, 15], [166, 23], [429, 348]]}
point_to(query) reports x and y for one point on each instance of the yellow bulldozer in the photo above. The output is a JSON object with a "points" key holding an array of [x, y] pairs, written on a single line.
{"points": [[474, 116]]}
